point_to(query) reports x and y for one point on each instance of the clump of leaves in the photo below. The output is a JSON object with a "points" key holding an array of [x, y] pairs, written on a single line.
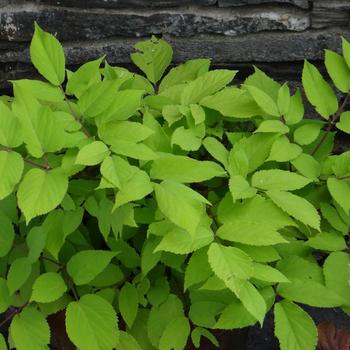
{"points": [[154, 210]]}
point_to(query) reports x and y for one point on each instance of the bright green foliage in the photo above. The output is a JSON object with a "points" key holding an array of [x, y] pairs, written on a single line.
{"points": [[179, 201]]}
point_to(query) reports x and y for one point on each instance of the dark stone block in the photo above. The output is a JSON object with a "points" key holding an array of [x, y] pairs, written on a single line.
{"points": [[300, 3], [331, 13], [16, 22]]}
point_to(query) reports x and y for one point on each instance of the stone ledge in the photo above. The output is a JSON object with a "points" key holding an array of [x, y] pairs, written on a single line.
{"points": [[261, 47], [226, 3], [16, 22], [330, 13]]}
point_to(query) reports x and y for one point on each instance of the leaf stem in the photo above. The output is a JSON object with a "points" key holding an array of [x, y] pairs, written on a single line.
{"points": [[11, 315], [74, 115], [51, 260], [331, 122]]}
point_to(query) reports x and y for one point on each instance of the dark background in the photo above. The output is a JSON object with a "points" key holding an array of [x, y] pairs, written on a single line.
{"points": [[274, 35]]}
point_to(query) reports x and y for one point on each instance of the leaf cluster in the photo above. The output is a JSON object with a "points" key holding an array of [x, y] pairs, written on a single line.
{"points": [[152, 209]]}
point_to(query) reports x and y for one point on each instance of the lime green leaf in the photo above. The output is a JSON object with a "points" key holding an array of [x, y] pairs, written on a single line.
{"points": [[18, 274], [48, 287], [283, 99], [5, 298], [318, 91], [175, 334], [231, 265], [127, 342], [296, 109], [328, 241], [200, 332], [153, 57], [29, 330], [344, 123], [128, 303], [283, 150], [133, 150], [340, 191], [216, 149], [346, 50], [235, 316], [198, 113], [336, 273], [294, 328], [338, 70], [240, 188], [260, 254], [110, 172], [265, 102], [92, 154], [87, 75], [149, 258], [267, 273], [179, 241], [188, 139], [276, 179], [47, 56], [3, 345], [311, 293], [251, 232], [307, 133], [180, 204], [297, 207], [7, 234], [41, 191], [124, 130], [91, 323], [307, 166], [332, 216], [85, 265], [198, 268], [185, 169], [183, 73], [11, 169], [205, 85], [10, 132], [273, 126]]}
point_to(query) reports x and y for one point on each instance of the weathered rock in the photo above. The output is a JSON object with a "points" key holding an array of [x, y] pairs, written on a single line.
{"points": [[327, 13], [300, 3], [16, 22]]}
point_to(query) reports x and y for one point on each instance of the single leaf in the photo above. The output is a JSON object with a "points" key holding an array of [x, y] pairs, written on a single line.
{"points": [[307, 133], [340, 191], [297, 207], [127, 342], [276, 179], [328, 241], [41, 191], [294, 328], [265, 102], [283, 99], [18, 274], [10, 131], [344, 123], [85, 265], [7, 234], [296, 109], [175, 335], [318, 91], [307, 166], [11, 169], [29, 330], [216, 149], [47, 56], [48, 287], [185, 169], [267, 273], [92, 154], [91, 323], [338, 70], [128, 303], [273, 126], [283, 150], [240, 188]]}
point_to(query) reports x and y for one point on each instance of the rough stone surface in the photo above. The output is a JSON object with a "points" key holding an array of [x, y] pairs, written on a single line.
{"points": [[16, 22], [301, 3], [328, 13]]}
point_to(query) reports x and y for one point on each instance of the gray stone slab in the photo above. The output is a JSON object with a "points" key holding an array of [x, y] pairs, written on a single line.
{"points": [[330, 13], [300, 3], [16, 22]]}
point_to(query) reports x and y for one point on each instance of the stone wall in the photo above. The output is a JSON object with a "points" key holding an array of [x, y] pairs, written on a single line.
{"points": [[276, 35]]}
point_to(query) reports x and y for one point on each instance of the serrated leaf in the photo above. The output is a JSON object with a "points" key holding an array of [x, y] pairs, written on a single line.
{"points": [[297, 207], [48, 287], [265, 102], [307, 166], [267, 273], [7, 234], [47, 56], [180, 204], [240, 188], [29, 330], [276, 179], [205, 85], [340, 191], [85, 265], [338, 70], [283, 99], [91, 323], [153, 57], [185, 169], [41, 191], [328, 241], [128, 303], [92, 154], [307, 133], [18, 274], [296, 109], [273, 126], [318, 91], [344, 123], [294, 328], [283, 150], [175, 335]]}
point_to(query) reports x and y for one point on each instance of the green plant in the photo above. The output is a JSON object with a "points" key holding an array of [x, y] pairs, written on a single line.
{"points": [[176, 201]]}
